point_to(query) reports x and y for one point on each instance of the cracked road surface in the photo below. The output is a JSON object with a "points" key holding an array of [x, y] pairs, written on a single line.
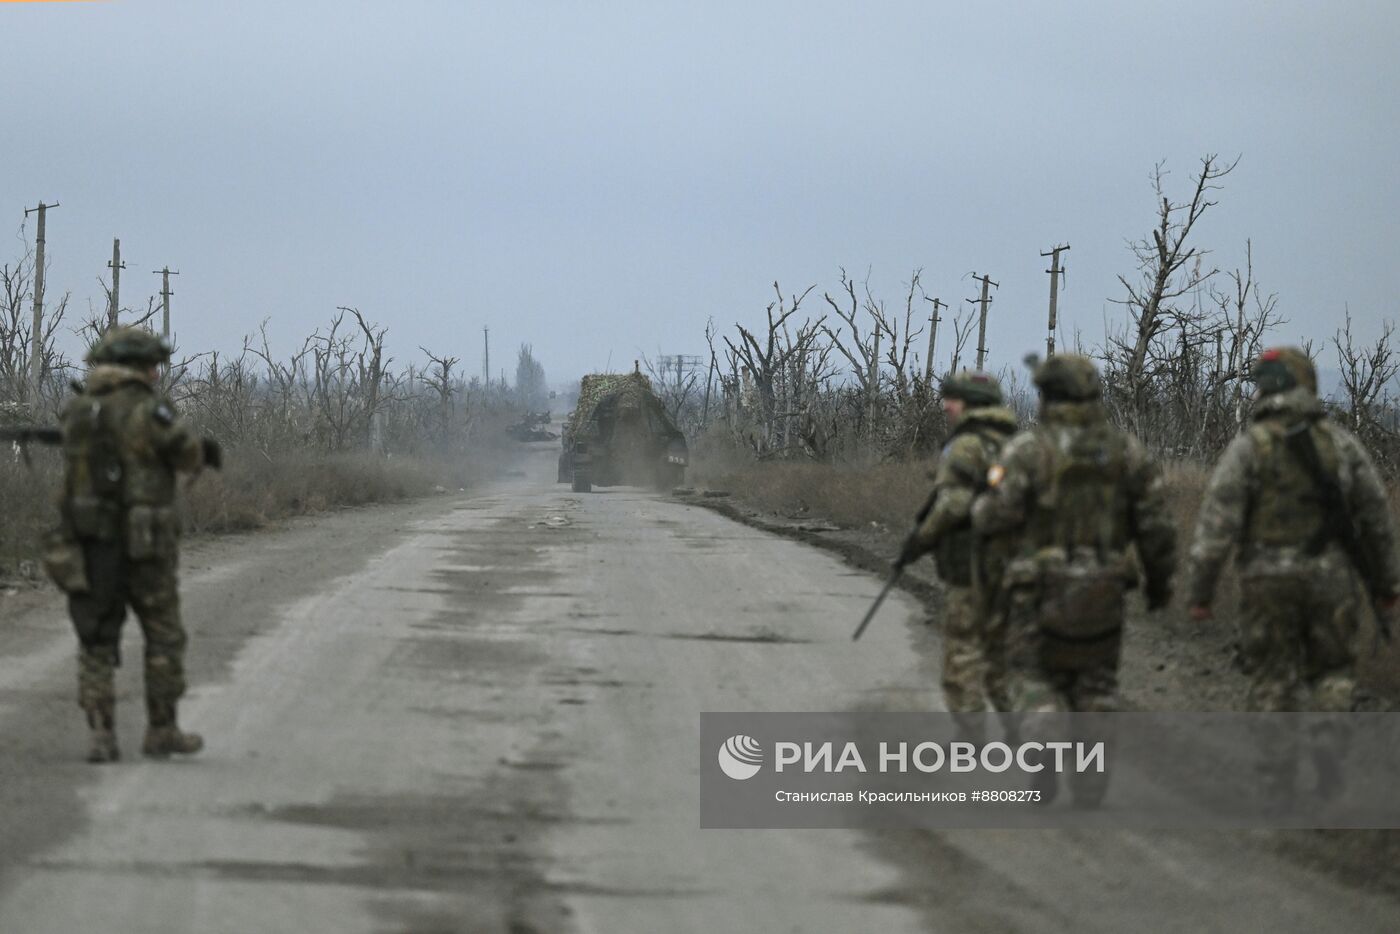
{"points": [[481, 713]]}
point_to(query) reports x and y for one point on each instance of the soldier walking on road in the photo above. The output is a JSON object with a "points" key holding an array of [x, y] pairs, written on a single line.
{"points": [[1297, 496], [117, 544], [1079, 493], [972, 667]]}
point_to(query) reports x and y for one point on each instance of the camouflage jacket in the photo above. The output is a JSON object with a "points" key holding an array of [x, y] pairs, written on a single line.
{"points": [[1074, 454], [946, 528], [123, 445], [1262, 502], [962, 470]]}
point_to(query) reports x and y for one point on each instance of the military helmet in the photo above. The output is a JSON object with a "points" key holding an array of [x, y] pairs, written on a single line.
{"points": [[972, 387], [131, 346], [1068, 377], [1282, 368]]}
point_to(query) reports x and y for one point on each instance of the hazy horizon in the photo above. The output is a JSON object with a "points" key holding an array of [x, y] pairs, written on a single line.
{"points": [[598, 182]]}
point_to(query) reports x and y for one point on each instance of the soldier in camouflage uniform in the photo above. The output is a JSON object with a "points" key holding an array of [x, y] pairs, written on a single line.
{"points": [[1079, 493], [1292, 495], [123, 446], [972, 668]]}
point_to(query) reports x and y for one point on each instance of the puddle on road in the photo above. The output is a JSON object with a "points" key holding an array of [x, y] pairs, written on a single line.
{"points": [[771, 638]]}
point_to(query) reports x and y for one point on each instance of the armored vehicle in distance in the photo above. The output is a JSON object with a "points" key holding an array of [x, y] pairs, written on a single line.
{"points": [[620, 434]]}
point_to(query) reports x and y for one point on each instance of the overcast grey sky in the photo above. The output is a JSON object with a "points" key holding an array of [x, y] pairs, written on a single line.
{"points": [[599, 178]]}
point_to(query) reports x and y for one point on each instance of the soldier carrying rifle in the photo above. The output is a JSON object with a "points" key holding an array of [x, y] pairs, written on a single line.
{"points": [[970, 571], [117, 541]]}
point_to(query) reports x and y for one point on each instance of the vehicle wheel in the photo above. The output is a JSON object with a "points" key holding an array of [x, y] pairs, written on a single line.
{"points": [[583, 483], [668, 477]]}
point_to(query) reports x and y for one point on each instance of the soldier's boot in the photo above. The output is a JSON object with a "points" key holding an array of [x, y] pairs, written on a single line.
{"points": [[164, 736], [102, 744]]}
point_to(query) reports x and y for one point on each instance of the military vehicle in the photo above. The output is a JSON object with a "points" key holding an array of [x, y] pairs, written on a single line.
{"points": [[620, 434]]}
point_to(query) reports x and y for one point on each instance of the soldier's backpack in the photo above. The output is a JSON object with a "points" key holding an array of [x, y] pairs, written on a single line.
{"points": [[1290, 507], [1079, 529], [94, 490]]}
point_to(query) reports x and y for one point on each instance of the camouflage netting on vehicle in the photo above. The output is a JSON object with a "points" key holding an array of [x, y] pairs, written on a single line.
{"points": [[598, 386]]}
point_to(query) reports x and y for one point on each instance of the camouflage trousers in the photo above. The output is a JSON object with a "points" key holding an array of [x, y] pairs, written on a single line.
{"points": [[1046, 674], [1297, 642], [973, 666], [150, 588]]}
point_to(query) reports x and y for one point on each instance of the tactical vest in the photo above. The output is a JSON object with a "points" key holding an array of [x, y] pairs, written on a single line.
{"points": [[1082, 505], [953, 557], [94, 488], [1286, 506], [1075, 551]]}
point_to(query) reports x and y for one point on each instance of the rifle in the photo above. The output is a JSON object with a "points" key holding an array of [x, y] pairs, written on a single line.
{"points": [[895, 571], [897, 568], [30, 434], [1341, 525]]}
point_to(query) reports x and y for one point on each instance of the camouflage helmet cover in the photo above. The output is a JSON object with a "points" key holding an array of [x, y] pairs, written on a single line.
{"points": [[1279, 369], [131, 346], [1069, 377], [971, 386]]}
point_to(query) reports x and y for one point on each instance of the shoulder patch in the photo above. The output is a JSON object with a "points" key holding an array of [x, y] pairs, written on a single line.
{"points": [[994, 475], [164, 414]]}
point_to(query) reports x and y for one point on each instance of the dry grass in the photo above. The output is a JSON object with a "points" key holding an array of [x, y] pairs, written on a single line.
{"points": [[888, 494], [254, 492], [249, 494], [26, 506]]}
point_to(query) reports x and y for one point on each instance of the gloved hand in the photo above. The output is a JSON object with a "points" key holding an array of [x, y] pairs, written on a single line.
{"points": [[213, 453]]}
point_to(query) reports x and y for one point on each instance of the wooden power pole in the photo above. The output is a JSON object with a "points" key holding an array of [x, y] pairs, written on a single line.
{"points": [[933, 320], [1056, 271], [36, 337], [982, 304], [486, 359], [116, 265], [165, 273]]}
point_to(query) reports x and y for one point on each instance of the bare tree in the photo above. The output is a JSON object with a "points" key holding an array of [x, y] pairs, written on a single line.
{"points": [[16, 344], [861, 350], [765, 360], [1367, 372], [962, 330], [1167, 270]]}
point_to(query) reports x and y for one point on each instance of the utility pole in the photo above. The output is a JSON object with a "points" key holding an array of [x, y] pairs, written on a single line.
{"points": [[116, 265], [36, 337], [1056, 271], [165, 273], [983, 302], [933, 320], [486, 362]]}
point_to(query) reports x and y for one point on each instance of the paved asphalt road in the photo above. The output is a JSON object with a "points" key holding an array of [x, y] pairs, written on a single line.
{"points": [[480, 713]]}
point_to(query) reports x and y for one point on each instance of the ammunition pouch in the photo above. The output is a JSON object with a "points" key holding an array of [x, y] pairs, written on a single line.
{"points": [[152, 532], [63, 561], [94, 518], [953, 556], [1079, 600]]}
